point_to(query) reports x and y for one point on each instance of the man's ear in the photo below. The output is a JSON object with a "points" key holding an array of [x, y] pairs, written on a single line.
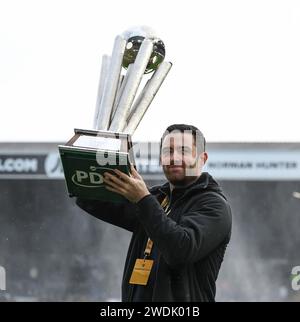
{"points": [[205, 157]]}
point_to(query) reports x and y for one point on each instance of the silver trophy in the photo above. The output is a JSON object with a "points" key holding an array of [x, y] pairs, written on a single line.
{"points": [[129, 80], [121, 102]]}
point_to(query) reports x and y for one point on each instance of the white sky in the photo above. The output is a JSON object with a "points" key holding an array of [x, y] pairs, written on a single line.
{"points": [[236, 72]]}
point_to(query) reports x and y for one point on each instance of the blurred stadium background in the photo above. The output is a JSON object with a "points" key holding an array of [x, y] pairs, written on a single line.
{"points": [[52, 251]]}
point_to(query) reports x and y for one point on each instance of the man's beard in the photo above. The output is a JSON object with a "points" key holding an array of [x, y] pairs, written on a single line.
{"points": [[181, 183], [183, 179]]}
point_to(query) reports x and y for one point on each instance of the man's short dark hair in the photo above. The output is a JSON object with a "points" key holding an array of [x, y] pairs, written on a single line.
{"points": [[197, 134]]}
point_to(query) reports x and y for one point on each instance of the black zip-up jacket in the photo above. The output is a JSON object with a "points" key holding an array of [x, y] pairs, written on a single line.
{"points": [[190, 242]]}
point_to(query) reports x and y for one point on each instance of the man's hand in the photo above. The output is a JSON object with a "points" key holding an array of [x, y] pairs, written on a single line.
{"points": [[131, 187]]}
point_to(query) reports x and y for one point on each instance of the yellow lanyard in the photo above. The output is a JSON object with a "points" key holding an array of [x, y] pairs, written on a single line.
{"points": [[165, 205]]}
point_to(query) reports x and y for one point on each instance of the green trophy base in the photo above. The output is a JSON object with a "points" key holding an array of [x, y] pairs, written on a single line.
{"points": [[87, 155]]}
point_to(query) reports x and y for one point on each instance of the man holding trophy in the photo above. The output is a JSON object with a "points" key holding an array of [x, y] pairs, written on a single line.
{"points": [[180, 229]]}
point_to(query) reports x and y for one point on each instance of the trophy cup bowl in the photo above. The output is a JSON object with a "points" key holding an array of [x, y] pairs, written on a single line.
{"points": [[135, 37], [120, 106]]}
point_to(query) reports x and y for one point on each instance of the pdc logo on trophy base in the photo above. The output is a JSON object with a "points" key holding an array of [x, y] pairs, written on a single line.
{"points": [[89, 179]]}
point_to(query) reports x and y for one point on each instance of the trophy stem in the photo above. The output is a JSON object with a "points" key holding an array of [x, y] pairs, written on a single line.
{"points": [[111, 83], [120, 91], [131, 86], [121, 85], [101, 85], [146, 97]]}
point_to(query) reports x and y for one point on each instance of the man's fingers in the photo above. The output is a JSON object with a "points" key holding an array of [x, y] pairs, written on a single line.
{"points": [[113, 180], [116, 187], [126, 177], [121, 192], [122, 175], [134, 172]]}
